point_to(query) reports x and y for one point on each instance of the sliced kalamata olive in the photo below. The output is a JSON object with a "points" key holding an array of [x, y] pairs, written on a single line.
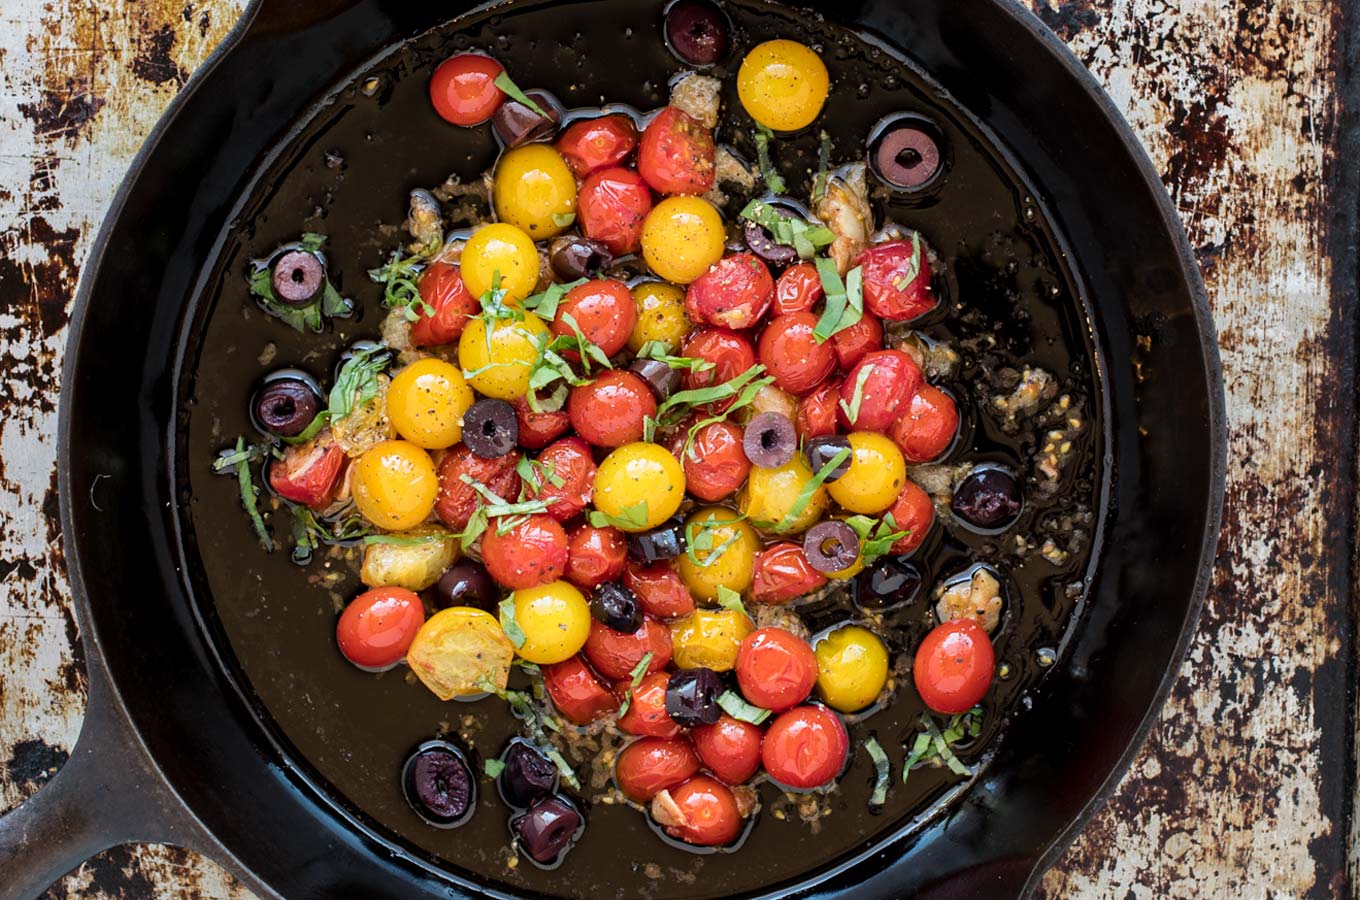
{"points": [[439, 784], [820, 451], [528, 774], [466, 583], [697, 32], [515, 124], [891, 582], [573, 258], [615, 606], [692, 697], [490, 428], [660, 377], [907, 156], [759, 242], [665, 542], [297, 277], [831, 547], [770, 440], [548, 828], [988, 498], [286, 406]]}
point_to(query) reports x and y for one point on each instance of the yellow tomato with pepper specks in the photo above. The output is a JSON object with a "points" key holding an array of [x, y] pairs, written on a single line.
{"points": [[395, 485], [682, 237], [852, 668], [503, 252], [534, 190], [498, 355], [875, 477], [426, 402], [721, 552], [639, 486], [555, 619], [783, 85], [771, 495], [660, 315], [709, 639]]}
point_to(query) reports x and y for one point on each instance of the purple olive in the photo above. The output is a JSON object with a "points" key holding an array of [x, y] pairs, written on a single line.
{"points": [[298, 275], [616, 607], [466, 584], [770, 440], [516, 124], [692, 697], [988, 498], [573, 258], [891, 582], [831, 547], [820, 451], [528, 775], [490, 428], [907, 157], [760, 242], [285, 406], [665, 542], [660, 377], [547, 830], [439, 784], [697, 32]]}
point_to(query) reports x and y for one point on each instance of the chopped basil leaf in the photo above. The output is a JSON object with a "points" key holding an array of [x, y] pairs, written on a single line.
{"points": [[880, 758], [357, 382], [240, 459], [631, 518], [400, 278], [310, 315], [512, 90], [564, 767], [730, 599], [744, 399], [699, 535], [819, 183], [768, 173], [787, 229], [312, 242], [876, 537], [913, 264], [407, 540], [321, 420], [935, 747], [636, 676], [681, 404], [657, 350], [494, 307], [738, 708], [857, 398], [563, 220], [844, 300], [809, 489], [309, 532], [493, 768], [545, 304], [508, 623], [584, 347]]}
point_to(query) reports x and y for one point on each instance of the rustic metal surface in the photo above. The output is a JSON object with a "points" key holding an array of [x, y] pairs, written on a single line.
{"points": [[1244, 788]]}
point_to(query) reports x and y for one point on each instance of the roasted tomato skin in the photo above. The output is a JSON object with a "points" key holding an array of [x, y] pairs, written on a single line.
{"points": [[783, 573], [886, 381], [611, 206], [776, 669], [817, 411], [457, 500], [953, 666], [378, 626], [646, 713], [650, 765], [715, 465], [885, 266], [731, 355], [576, 692], [735, 293], [571, 461], [729, 748], [611, 410], [798, 289], [463, 89], [805, 747], [710, 814], [538, 430], [929, 427], [604, 312], [528, 554], [660, 590], [309, 473], [792, 354], [615, 654], [914, 513], [857, 341], [441, 287], [595, 555], [677, 154], [590, 145]]}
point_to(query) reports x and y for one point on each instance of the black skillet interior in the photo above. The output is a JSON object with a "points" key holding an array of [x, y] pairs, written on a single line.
{"points": [[1052, 762]]}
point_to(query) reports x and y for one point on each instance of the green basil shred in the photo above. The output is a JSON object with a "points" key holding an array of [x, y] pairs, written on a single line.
{"points": [[512, 90], [239, 461], [857, 397], [493, 768], [768, 173], [736, 707], [805, 495], [635, 676], [844, 300], [881, 771], [934, 746], [509, 624]]}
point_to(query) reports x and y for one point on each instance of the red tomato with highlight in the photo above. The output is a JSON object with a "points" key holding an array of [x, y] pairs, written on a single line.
{"points": [[646, 713], [914, 513], [457, 500], [450, 306], [593, 144], [576, 691], [878, 390], [595, 555], [736, 292], [569, 460], [953, 666], [650, 765], [929, 427], [677, 154], [378, 626], [610, 208], [529, 553], [805, 747], [706, 813], [776, 669], [798, 289], [615, 654], [731, 355], [896, 280], [539, 429], [309, 473], [854, 343], [463, 89], [611, 410], [792, 354], [816, 416], [603, 311], [783, 573], [729, 748], [715, 465], [659, 590]]}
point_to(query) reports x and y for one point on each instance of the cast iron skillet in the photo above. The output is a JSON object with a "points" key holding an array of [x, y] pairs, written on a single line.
{"points": [[171, 752]]}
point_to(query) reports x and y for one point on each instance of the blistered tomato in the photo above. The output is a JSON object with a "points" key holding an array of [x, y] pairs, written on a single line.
{"points": [[878, 390], [564, 477], [783, 573], [735, 293], [852, 668], [677, 154], [702, 811], [612, 207], [929, 426], [854, 343], [500, 251], [913, 513], [722, 548], [601, 310], [426, 402], [498, 357], [896, 280], [555, 619], [729, 748], [709, 639], [953, 666], [798, 289], [576, 692], [776, 669], [463, 89], [771, 496], [589, 145], [534, 190], [639, 486], [650, 765], [660, 316], [450, 304], [682, 237], [715, 464], [395, 485], [457, 499], [783, 85], [595, 555], [539, 429], [309, 473], [730, 353], [458, 651], [615, 654], [531, 552], [875, 477], [817, 411], [659, 590], [792, 354], [611, 410], [646, 713], [805, 747], [378, 626]]}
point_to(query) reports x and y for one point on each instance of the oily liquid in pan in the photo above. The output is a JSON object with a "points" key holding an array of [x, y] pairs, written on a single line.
{"points": [[347, 175]]}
